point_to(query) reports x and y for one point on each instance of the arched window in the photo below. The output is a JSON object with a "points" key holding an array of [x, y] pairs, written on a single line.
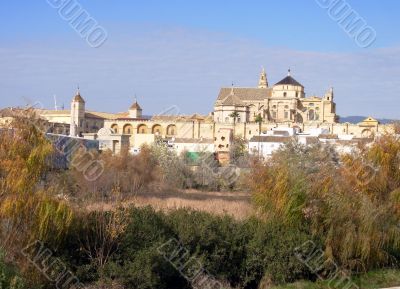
{"points": [[171, 129], [311, 114], [142, 129], [128, 129], [114, 127], [156, 129], [286, 114]]}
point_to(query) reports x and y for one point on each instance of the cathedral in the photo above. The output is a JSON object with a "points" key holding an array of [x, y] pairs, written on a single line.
{"points": [[284, 102], [238, 111]]}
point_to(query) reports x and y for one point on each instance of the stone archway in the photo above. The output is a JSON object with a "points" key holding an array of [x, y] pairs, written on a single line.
{"points": [[171, 129], [142, 129], [114, 127], [156, 129], [128, 129], [366, 133]]}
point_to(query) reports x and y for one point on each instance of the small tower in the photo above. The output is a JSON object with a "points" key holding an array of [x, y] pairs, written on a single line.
{"points": [[77, 123], [263, 82], [135, 111], [329, 94]]}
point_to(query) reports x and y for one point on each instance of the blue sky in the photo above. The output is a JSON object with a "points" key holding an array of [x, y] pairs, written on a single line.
{"points": [[181, 52]]}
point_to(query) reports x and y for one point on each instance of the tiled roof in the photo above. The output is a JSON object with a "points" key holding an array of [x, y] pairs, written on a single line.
{"points": [[55, 112], [232, 99], [135, 106], [267, 138], [179, 117], [193, 140], [245, 93], [105, 115], [288, 80]]}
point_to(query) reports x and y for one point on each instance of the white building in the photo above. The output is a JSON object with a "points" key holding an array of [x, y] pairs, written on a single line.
{"points": [[192, 145], [265, 145]]}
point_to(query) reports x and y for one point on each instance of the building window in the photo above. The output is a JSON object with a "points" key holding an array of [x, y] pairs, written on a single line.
{"points": [[274, 106], [311, 104], [284, 94], [286, 115], [311, 114], [274, 114], [297, 94], [249, 131], [286, 106]]}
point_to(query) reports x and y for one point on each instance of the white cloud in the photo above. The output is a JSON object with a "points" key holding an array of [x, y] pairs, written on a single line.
{"points": [[172, 66]]}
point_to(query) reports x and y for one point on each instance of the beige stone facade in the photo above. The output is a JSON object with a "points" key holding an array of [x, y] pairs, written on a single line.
{"points": [[235, 112], [283, 102]]}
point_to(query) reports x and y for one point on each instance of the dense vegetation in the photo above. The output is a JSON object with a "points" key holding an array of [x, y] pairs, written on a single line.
{"points": [[346, 206]]}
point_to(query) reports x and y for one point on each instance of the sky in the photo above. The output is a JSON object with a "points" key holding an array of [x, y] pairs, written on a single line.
{"points": [[180, 53]]}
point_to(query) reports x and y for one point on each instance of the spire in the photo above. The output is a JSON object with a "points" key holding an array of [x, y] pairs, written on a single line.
{"points": [[263, 82], [135, 111], [78, 97], [288, 72]]}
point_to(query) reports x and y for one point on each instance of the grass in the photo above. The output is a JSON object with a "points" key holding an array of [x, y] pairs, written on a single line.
{"points": [[370, 280], [235, 204]]}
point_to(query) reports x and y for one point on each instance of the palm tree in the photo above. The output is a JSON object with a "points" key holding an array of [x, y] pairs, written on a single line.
{"points": [[259, 120], [234, 115]]}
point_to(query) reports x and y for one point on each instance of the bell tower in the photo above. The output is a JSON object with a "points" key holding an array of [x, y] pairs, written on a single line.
{"points": [[135, 111], [77, 123], [263, 82]]}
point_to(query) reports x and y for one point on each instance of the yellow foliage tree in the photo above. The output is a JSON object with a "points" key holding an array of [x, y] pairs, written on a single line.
{"points": [[28, 210]]}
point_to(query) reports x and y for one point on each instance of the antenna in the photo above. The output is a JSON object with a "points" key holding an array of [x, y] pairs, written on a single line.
{"points": [[55, 102]]}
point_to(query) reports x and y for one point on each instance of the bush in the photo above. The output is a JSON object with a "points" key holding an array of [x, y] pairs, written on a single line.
{"points": [[271, 253], [351, 202], [9, 278], [123, 175]]}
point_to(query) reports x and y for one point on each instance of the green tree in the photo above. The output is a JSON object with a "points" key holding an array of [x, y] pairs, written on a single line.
{"points": [[259, 119], [350, 202], [235, 116]]}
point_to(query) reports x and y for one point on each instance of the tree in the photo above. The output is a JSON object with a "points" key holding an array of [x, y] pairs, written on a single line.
{"points": [[259, 120], [29, 210], [350, 202], [239, 152], [234, 115]]}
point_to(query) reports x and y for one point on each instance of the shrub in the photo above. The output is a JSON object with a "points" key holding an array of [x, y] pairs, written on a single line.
{"points": [[353, 211], [9, 278]]}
